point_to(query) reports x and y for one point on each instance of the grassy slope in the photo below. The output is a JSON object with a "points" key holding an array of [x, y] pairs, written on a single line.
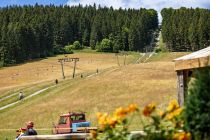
{"points": [[49, 69], [140, 83], [167, 56], [39, 74]]}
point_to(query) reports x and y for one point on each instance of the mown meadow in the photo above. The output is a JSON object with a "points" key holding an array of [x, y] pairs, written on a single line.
{"points": [[112, 87]]}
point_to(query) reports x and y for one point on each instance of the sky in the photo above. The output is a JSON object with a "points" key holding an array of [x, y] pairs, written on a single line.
{"points": [[154, 4], [4, 3]]}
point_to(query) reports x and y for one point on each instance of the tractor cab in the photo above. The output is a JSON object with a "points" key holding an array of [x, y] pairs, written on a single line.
{"points": [[69, 123]]}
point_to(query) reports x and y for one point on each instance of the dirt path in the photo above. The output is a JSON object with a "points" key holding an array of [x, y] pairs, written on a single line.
{"points": [[34, 94], [4, 98]]}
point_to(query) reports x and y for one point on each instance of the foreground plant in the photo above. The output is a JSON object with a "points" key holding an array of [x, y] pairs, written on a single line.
{"points": [[114, 126], [197, 106], [163, 125]]}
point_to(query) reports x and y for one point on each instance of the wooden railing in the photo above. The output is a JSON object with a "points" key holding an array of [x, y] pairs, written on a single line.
{"points": [[73, 136]]}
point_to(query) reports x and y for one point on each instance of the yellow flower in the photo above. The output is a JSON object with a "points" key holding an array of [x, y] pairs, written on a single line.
{"points": [[182, 136], [149, 109], [121, 112], [178, 111], [99, 114], [170, 116], [173, 114], [112, 121], [102, 120], [172, 106], [132, 108], [161, 113], [93, 134]]}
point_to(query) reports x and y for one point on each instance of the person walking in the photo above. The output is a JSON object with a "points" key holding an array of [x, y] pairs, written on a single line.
{"points": [[56, 81], [30, 130], [21, 96]]}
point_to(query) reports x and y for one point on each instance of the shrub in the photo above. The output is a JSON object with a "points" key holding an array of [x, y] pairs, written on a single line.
{"points": [[68, 49], [105, 46], [197, 106], [157, 50], [58, 49], [77, 46]]}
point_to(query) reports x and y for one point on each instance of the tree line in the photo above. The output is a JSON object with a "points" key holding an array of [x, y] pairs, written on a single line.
{"points": [[186, 29], [28, 32]]}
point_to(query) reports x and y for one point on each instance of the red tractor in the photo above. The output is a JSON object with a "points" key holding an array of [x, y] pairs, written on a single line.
{"points": [[72, 123]]}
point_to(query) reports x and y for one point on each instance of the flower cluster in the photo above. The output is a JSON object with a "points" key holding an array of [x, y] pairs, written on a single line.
{"points": [[112, 120], [182, 136], [149, 109], [108, 123], [164, 125], [168, 123]]}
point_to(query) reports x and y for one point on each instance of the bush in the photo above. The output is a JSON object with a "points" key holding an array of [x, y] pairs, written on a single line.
{"points": [[157, 50], [68, 49], [58, 49], [197, 106], [77, 46], [105, 46]]}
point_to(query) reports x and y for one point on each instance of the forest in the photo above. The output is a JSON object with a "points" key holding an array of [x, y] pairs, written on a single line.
{"points": [[186, 29], [29, 32]]}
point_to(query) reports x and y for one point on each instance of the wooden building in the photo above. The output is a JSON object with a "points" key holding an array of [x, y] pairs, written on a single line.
{"points": [[185, 67]]}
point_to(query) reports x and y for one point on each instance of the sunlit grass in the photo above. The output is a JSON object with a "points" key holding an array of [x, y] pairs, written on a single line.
{"points": [[114, 87], [166, 56]]}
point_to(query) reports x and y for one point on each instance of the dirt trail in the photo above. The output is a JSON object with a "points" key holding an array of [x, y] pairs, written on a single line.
{"points": [[34, 94]]}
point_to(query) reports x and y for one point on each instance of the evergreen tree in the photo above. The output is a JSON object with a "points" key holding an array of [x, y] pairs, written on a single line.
{"points": [[28, 32], [185, 29]]}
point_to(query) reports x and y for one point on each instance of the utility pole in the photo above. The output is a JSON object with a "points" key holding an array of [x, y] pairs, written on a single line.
{"points": [[60, 60], [75, 63], [124, 58], [66, 59], [116, 54], [121, 53]]}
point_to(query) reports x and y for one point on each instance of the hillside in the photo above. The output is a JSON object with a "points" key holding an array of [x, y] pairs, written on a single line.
{"points": [[50, 69], [114, 87], [29, 32]]}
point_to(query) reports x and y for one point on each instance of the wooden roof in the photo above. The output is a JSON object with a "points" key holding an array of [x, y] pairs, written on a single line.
{"points": [[194, 60]]}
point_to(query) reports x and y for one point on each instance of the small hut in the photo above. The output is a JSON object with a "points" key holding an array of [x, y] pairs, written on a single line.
{"points": [[185, 67]]}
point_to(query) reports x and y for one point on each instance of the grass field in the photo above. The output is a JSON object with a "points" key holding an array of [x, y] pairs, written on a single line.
{"points": [[12, 78], [18, 77], [114, 87]]}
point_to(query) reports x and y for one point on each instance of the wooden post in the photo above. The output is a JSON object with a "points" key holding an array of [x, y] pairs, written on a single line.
{"points": [[117, 59], [68, 60], [62, 68], [124, 59], [180, 87], [75, 63]]}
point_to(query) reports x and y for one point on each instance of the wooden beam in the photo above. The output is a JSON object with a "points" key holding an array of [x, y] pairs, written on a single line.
{"points": [[192, 63], [180, 87], [74, 136]]}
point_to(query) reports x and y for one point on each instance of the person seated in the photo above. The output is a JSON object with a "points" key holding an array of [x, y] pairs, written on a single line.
{"points": [[30, 130]]}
